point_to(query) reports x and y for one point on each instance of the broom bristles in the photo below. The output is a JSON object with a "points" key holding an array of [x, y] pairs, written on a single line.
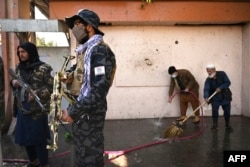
{"points": [[173, 131]]}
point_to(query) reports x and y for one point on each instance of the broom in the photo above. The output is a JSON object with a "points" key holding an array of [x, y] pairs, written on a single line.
{"points": [[175, 129]]}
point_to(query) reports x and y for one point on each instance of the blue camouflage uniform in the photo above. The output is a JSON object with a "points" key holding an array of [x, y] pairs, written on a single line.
{"points": [[90, 110], [2, 106]]}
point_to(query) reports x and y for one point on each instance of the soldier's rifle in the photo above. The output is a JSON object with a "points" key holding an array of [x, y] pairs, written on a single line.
{"points": [[55, 103], [26, 87]]}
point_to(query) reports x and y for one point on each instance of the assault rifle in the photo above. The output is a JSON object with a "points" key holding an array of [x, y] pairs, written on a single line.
{"points": [[26, 87], [55, 104]]}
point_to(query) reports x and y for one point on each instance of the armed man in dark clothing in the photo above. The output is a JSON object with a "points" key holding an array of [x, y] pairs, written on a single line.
{"points": [[32, 129], [218, 81], [88, 114], [2, 105]]}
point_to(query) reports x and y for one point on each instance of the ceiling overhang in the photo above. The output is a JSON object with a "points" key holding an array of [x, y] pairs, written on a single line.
{"points": [[43, 6], [36, 25]]}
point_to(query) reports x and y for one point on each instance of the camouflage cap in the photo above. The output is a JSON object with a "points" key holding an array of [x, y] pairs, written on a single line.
{"points": [[87, 16]]}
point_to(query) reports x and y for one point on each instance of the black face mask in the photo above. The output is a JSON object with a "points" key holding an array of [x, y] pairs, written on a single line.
{"points": [[80, 34]]}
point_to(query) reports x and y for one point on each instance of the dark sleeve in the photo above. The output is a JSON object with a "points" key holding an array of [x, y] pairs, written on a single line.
{"points": [[207, 88], [44, 84], [1, 74], [225, 80], [13, 79]]}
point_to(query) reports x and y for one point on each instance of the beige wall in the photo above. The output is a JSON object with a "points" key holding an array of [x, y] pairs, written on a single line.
{"points": [[144, 54], [140, 89]]}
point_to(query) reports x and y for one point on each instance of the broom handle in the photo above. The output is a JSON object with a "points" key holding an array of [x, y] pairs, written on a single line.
{"points": [[198, 108]]}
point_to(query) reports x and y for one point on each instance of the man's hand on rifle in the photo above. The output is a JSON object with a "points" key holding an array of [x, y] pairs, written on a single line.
{"points": [[66, 77], [16, 83], [66, 117], [31, 96]]}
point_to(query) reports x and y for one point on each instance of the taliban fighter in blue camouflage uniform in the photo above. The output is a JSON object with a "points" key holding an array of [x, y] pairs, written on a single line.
{"points": [[88, 114], [2, 105], [32, 130], [2, 109]]}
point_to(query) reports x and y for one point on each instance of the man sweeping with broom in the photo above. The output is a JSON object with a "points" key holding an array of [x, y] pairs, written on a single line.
{"points": [[188, 90], [185, 82], [218, 81]]}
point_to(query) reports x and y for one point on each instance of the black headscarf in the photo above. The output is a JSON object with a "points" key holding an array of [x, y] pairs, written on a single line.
{"points": [[26, 69]]}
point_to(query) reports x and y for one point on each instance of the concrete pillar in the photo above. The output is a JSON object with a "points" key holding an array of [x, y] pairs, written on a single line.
{"points": [[11, 9]]}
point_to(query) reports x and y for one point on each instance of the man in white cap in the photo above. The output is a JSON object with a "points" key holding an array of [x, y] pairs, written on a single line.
{"points": [[218, 81]]}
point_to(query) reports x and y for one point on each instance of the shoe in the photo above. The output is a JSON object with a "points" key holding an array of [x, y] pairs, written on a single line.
{"points": [[214, 128], [229, 128], [196, 120], [181, 118]]}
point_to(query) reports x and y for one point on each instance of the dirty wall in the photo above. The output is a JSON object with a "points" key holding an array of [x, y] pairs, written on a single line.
{"points": [[144, 54]]}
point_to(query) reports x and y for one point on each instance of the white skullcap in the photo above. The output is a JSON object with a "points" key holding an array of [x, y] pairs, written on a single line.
{"points": [[210, 66]]}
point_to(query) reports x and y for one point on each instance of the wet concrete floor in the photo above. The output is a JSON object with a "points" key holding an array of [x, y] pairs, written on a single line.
{"points": [[139, 144]]}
